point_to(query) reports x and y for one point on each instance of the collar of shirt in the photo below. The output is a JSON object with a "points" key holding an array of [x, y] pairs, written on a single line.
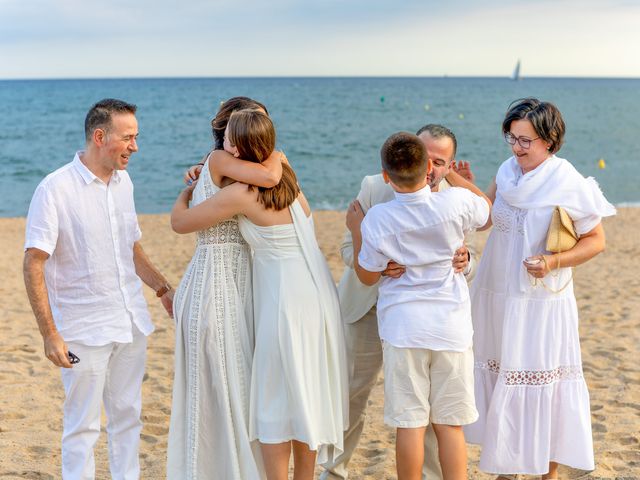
{"points": [[86, 174], [416, 196]]}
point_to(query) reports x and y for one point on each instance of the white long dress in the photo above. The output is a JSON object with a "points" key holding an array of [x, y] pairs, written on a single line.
{"points": [[209, 429], [299, 380], [530, 390]]}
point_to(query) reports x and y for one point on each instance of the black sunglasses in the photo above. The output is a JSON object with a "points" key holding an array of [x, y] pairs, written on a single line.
{"points": [[73, 358]]}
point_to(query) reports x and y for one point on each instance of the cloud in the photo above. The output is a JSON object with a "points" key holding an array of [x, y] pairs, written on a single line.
{"points": [[80, 38]]}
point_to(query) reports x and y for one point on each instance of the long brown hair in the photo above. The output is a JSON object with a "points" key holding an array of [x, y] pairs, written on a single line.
{"points": [[253, 134]]}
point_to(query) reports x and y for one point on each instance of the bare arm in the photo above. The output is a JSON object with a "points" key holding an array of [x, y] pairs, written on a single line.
{"points": [[151, 276], [33, 270], [266, 174], [589, 245], [228, 202]]}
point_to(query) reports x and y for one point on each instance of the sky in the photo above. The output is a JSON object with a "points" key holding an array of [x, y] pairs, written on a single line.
{"points": [[230, 38]]}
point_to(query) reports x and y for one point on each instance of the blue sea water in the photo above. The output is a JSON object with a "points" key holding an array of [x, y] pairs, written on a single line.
{"points": [[330, 128]]}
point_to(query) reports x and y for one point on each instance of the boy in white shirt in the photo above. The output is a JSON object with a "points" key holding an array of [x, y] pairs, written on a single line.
{"points": [[424, 316]]}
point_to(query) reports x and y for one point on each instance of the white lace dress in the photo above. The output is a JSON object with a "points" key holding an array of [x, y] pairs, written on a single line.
{"points": [[530, 391], [299, 379], [209, 431]]}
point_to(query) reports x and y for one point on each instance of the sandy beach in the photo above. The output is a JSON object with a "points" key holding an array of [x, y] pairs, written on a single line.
{"points": [[607, 289]]}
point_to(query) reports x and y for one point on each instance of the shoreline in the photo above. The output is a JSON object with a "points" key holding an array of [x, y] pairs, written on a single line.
{"points": [[621, 205], [608, 296]]}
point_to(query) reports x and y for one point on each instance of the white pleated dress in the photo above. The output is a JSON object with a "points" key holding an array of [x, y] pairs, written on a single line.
{"points": [[299, 385], [209, 428], [530, 390]]}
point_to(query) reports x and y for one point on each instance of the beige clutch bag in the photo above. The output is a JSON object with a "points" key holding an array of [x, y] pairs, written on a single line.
{"points": [[562, 235]]}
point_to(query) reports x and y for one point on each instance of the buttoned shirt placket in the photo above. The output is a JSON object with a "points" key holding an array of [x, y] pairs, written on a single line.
{"points": [[115, 235]]}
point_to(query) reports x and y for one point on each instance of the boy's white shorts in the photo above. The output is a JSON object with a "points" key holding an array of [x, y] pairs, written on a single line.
{"points": [[424, 386]]}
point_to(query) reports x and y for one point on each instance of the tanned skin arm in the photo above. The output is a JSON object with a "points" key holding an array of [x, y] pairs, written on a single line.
{"points": [[151, 276], [55, 348]]}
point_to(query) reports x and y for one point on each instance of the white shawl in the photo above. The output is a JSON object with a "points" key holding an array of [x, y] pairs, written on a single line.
{"points": [[553, 183]]}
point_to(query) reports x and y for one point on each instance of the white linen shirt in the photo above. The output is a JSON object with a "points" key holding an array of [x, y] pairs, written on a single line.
{"points": [[88, 228], [428, 306]]}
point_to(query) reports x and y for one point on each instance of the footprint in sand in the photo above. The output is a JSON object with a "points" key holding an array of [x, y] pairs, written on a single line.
{"points": [[38, 450], [27, 474], [12, 416], [599, 428], [629, 441], [153, 419], [148, 438], [156, 429]]}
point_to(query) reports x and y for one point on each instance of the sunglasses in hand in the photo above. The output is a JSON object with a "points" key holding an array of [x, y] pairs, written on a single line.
{"points": [[73, 358]]}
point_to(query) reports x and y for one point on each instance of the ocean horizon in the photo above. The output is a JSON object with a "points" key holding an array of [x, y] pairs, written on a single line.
{"points": [[331, 128]]}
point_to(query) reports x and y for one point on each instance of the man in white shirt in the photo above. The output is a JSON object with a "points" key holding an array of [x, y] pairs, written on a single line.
{"points": [[424, 315], [357, 302], [83, 267]]}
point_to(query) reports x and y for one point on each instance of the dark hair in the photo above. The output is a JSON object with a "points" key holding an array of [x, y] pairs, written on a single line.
{"points": [[545, 118], [219, 123], [99, 116], [253, 134], [404, 158], [440, 131]]}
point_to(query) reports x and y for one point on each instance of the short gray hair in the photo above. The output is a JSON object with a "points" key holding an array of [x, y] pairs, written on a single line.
{"points": [[440, 131]]}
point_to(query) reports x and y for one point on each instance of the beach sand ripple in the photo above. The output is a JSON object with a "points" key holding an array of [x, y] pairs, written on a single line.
{"points": [[607, 289]]}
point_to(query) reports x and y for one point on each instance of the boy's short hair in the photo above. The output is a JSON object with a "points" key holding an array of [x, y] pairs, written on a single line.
{"points": [[404, 158]]}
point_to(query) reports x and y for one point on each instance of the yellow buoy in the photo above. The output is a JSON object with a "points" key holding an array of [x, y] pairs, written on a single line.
{"points": [[427, 107], [461, 116], [601, 164]]}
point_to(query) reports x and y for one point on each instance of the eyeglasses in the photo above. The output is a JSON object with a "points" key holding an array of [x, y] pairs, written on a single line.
{"points": [[523, 142]]}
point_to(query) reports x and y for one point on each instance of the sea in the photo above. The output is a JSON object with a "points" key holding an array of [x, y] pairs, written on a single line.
{"points": [[331, 129]]}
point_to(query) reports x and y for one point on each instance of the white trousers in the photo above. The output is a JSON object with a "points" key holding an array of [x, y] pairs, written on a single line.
{"points": [[111, 374], [364, 354]]}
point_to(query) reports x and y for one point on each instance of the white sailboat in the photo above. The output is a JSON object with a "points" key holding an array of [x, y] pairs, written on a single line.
{"points": [[516, 72]]}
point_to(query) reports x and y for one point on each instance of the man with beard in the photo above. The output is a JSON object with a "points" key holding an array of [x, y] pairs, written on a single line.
{"points": [[358, 301]]}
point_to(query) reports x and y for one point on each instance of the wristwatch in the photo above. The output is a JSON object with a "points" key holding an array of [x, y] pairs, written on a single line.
{"points": [[162, 290]]}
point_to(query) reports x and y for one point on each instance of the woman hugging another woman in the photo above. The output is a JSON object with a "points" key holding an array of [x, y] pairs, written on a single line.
{"points": [[298, 394]]}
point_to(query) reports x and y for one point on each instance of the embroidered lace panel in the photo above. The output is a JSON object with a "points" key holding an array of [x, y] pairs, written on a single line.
{"points": [[227, 253], [224, 232], [532, 377], [507, 218]]}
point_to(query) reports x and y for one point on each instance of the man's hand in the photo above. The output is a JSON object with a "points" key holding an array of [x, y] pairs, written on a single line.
{"points": [[56, 350], [460, 259], [393, 270], [463, 169], [355, 215], [167, 302], [192, 174]]}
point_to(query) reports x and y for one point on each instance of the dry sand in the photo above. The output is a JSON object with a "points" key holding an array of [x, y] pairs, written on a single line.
{"points": [[608, 290]]}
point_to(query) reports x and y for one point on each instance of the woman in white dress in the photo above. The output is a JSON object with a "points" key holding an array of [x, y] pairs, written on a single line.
{"points": [[209, 429], [299, 377], [530, 390]]}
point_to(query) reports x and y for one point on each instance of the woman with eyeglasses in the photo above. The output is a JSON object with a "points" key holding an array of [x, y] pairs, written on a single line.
{"points": [[529, 385]]}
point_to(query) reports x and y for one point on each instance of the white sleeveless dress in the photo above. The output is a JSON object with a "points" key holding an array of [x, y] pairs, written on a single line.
{"points": [[209, 431], [299, 379]]}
